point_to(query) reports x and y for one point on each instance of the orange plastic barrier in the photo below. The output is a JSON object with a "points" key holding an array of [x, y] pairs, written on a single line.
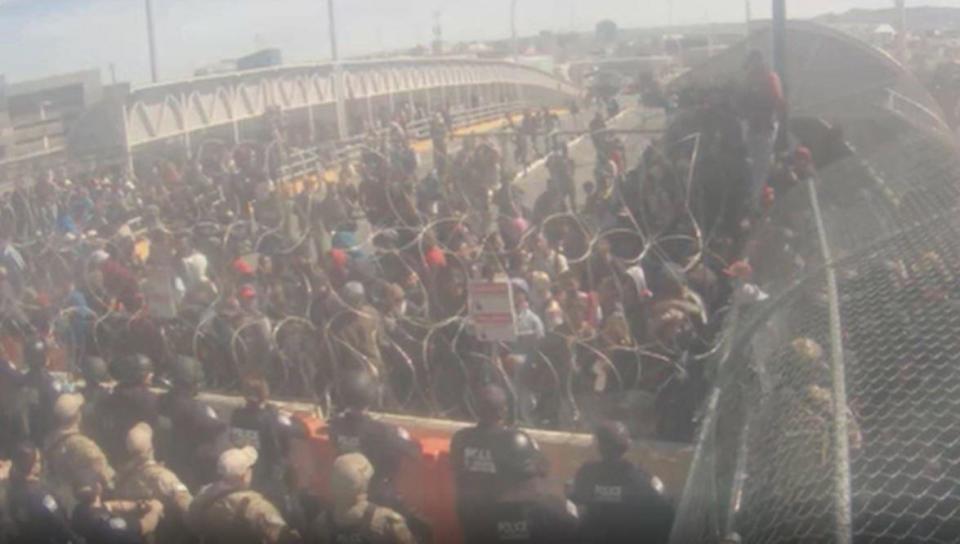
{"points": [[426, 484]]}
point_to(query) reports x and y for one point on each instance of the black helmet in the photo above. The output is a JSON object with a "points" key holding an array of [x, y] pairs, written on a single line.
{"points": [[358, 389], [613, 439], [35, 352], [131, 369], [492, 404], [519, 456], [95, 370], [187, 373]]}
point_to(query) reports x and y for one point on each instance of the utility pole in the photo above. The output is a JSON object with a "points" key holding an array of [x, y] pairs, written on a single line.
{"points": [[513, 30], [342, 128], [332, 21], [901, 44], [749, 15], [437, 33], [780, 64], [151, 42]]}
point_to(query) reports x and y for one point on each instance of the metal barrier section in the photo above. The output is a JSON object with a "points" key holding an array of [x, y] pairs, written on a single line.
{"points": [[833, 413]]}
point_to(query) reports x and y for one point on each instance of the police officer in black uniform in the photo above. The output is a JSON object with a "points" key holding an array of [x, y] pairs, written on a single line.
{"points": [[523, 510], [41, 389], [386, 446], [263, 426], [131, 402], [38, 515], [471, 455], [96, 374], [268, 429], [191, 429], [14, 424], [112, 522], [619, 502]]}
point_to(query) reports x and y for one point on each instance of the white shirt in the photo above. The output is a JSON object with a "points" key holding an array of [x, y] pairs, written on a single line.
{"points": [[194, 269]]}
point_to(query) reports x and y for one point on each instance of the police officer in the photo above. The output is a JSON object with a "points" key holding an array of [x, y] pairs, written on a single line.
{"points": [[112, 522], [386, 446], [69, 453], [471, 455], [353, 518], [132, 401], [37, 514], [14, 423], [41, 389], [229, 511], [619, 502], [96, 392], [265, 427], [192, 429], [143, 479], [523, 511]]}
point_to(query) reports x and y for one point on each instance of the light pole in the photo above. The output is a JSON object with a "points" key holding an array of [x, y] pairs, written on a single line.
{"points": [[332, 21], [337, 74], [749, 15], [151, 41], [513, 30], [901, 45], [780, 63]]}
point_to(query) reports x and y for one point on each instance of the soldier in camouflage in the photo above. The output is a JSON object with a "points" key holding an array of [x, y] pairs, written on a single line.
{"points": [[143, 479], [354, 518], [70, 453], [228, 511]]}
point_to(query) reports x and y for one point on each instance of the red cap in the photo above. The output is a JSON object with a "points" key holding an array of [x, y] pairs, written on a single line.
{"points": [[339, 258], [769, 196], [247, 292], [242, 267], [739, 269], [435, 258]]}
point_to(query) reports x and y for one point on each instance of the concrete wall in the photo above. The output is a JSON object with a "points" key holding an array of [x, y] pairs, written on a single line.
{"points": [[566, 451]]}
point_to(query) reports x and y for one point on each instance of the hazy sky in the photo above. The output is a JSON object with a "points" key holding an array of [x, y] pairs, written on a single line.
{"points": [[40, 37]]}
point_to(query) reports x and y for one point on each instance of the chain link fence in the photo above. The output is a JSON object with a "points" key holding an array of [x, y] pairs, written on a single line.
{"points": [[833, 416]]}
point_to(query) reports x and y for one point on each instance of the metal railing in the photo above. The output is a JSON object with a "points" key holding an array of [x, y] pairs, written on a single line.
{"points": [[313, 160]]}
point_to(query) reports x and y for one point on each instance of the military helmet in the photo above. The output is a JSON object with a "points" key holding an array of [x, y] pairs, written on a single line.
{"points": [[95, 370], [131, 369], [613, 438], [518, 455], [492, 403], [187, 372], [35, 352], [358, 389]]}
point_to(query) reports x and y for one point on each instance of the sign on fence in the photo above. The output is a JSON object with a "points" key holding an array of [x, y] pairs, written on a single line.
{"points": [[491, 310]]}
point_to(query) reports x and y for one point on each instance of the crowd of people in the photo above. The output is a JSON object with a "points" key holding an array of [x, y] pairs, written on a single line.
{"points": [[218, 274]]}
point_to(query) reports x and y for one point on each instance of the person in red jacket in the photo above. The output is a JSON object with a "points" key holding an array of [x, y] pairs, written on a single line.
{"points": [[762, 102]]}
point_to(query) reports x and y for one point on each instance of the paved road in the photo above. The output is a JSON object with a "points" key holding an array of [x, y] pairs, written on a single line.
{"points": [[585, 156]]}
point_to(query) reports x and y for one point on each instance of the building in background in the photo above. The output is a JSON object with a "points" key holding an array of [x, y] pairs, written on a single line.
{"points": [[37, 115]]}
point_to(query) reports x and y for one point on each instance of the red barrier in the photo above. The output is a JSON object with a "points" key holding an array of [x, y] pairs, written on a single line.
{"points": [[426, 484]]}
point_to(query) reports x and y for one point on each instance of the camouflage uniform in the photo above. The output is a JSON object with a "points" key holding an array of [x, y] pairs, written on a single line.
{"points": [[221, 513], [149, 480], [70, 455], [364, 523], [353, 518]]}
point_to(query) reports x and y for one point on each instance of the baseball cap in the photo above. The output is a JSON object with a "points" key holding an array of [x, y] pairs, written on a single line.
{"points": [[68, 406], [351, 475], [140, 439], [233, 463], [248, 292], [242, 267]]}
